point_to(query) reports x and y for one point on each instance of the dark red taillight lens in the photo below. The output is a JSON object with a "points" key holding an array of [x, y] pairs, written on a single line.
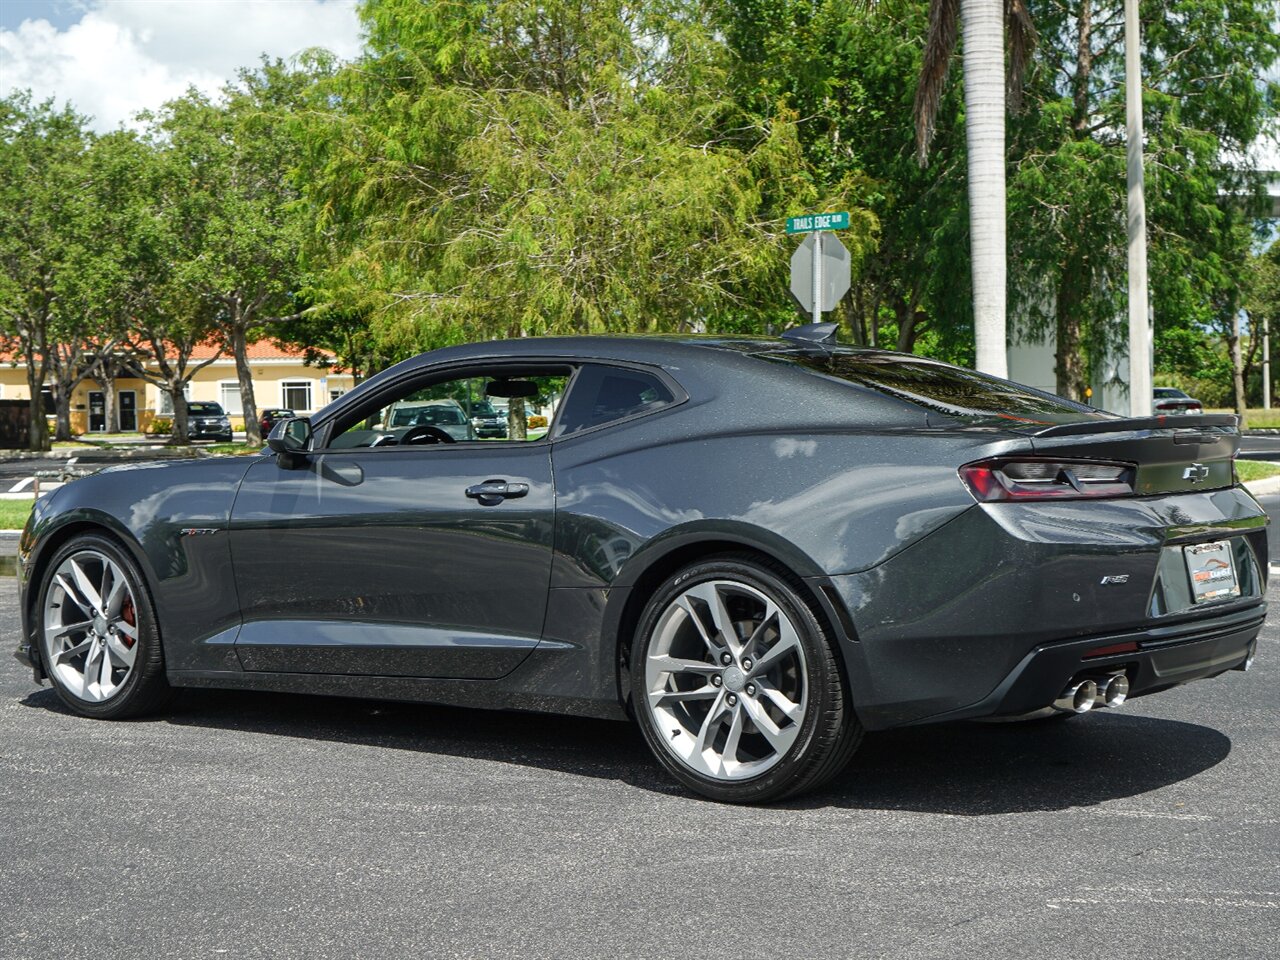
{"points": [[992, 481], [1166, 406]]}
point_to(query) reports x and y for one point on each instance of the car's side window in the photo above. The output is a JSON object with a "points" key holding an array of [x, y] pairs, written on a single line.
{"points": [[602, 394], [477, 408]]}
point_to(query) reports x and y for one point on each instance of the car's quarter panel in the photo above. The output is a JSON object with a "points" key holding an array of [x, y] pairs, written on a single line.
{"points": [[825, 501], [173, 518], [942, 623], [376, 562]]}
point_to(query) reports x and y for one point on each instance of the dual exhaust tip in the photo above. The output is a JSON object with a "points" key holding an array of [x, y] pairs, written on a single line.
{"points": [[1081, 696]]}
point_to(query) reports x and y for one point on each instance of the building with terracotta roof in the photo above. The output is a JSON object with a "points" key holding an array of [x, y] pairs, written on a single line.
{"points": [[280, 379]]}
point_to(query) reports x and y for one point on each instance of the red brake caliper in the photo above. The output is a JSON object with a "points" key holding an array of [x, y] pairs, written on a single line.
{"points": [[128, 615]]}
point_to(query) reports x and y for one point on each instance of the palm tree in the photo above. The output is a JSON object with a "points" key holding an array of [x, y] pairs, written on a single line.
{"points": [[984, 24]]}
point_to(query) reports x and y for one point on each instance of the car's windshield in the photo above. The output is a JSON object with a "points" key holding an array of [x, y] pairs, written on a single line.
{"points": [[952, 391], [204, 409], [420, 416]]}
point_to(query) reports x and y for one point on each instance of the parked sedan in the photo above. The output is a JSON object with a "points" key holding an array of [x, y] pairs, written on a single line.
{"points": [[208, 421], [1170, 400], [758, 549]]}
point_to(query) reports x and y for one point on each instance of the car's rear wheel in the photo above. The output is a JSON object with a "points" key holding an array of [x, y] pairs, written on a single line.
{"points": [[99, 643], [737, 685]]}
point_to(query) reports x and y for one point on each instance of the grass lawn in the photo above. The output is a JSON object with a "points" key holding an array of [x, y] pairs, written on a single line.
{"points": [[1256, 469], [14, 513], [1257, 417], [233, 449]]}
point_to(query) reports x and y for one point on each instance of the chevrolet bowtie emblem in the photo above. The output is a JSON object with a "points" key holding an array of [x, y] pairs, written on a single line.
{"points": [[1196, 472]]}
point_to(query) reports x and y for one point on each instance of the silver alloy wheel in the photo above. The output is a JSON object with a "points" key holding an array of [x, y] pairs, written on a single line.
{"points": [[726, 680], [90, 626]]}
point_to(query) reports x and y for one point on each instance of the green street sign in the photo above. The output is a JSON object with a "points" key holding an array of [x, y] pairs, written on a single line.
{"points": [[818, 221]]}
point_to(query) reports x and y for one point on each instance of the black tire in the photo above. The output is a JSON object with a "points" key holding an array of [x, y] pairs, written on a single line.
{"points": [[829, 730], [146, 688]]}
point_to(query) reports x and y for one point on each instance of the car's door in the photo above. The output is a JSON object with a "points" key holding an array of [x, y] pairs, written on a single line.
{"points": [[424, 561]]}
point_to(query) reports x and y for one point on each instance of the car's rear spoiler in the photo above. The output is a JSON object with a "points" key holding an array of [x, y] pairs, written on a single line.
{"points": [[1188, 422]]}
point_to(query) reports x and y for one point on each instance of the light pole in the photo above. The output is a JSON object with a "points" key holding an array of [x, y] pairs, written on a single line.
{"points": [[1139, 320]]}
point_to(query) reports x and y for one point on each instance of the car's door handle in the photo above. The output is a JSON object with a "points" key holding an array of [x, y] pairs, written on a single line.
{"points": [[493, 492]]}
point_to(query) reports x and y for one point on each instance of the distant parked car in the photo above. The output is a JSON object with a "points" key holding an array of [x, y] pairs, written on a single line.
{"points": [[273, 415], [208, 421], [1170, 400], [487, 420]]}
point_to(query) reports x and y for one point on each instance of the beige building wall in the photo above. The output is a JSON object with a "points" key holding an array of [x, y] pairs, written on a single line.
{"points": [[277, 383]]}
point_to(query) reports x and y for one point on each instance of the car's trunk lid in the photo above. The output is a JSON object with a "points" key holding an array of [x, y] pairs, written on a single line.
{"points": [[1186, 454]]}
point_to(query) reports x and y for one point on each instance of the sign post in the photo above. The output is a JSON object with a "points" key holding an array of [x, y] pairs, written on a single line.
{"points": [[820, 273]]}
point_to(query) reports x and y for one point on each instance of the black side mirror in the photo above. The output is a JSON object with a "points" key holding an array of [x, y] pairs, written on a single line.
{"points": [[289, 440]]}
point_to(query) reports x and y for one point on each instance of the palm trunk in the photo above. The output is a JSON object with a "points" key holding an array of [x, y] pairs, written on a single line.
{"points": [[984, 91]]}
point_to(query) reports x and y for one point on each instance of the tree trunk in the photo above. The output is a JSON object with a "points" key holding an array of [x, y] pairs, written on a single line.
{"points": [[1070, 360], [517, 423], [35, 408], [248, 405], [110, 409], [984, 88], [176, 395], [1237, 369], [62, 412]]}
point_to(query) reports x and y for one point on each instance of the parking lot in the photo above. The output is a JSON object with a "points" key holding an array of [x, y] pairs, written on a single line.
{"points": [[241, 825]]}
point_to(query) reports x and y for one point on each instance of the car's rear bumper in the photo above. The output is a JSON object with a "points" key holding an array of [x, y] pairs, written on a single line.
{"points": [[1166, 657]]}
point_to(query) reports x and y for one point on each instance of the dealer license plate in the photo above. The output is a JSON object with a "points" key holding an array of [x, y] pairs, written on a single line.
{"points": [[1212, 569]]}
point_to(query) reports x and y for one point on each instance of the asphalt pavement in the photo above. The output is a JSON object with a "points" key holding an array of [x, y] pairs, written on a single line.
{"points": [[253, 825]]}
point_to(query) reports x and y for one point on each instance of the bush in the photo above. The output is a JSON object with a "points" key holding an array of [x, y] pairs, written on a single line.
{"points": [[160, 425], [537, 422]]}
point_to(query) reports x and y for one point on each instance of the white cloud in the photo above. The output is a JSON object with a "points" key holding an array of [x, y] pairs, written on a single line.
{"points": [[128, 55]]}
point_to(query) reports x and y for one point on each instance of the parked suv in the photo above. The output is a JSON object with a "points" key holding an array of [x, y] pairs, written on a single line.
{"points": [[488, 421], [208, 421]]}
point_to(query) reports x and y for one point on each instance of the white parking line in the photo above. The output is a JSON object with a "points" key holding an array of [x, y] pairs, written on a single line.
{"points": [[22, 485]]}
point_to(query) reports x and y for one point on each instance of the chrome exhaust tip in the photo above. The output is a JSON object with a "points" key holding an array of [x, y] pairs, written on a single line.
{"points": [[1113, 691], [1077, 698]]}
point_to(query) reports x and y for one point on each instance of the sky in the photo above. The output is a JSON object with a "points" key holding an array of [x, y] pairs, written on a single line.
{"points": [[112, 58]]}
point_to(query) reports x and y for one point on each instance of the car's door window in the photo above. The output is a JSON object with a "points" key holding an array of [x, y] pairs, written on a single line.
{"points": [[481, 407]]}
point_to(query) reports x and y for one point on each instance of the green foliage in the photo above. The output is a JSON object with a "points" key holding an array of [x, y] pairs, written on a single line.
{"points": [[518, 168], [1203, 105], [850, 73]]}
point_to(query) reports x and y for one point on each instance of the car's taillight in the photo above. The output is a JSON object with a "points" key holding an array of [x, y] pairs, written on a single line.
{"points": [[995, 480], [1166, 406], [1196, 407]]}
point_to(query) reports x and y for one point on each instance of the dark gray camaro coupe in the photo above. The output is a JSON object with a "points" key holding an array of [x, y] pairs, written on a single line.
{"points": [[759, 548]]}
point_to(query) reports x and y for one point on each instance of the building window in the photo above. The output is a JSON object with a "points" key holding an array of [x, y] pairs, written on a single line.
{"points": [[229, 393], [335, 394], [296, 394]]}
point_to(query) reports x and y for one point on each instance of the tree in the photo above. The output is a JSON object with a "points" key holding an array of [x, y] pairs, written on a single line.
{"points": [[41, 152], [238, 155], [1203, 106], [853, 78], [515, 168]]}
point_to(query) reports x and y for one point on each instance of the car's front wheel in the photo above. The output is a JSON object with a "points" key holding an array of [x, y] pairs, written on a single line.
{"points": [[99, 643], [737, 686]]}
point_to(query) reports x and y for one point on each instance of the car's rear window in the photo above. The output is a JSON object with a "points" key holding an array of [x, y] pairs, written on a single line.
{"points": [[951, 391]]}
